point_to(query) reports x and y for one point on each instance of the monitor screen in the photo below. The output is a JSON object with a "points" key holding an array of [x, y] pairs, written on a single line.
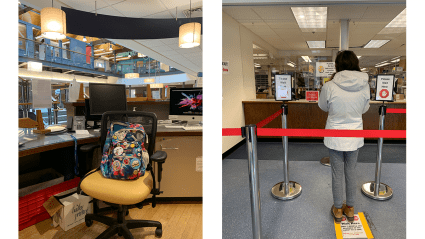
{"points": [[107, 97], [90, 117], [186, 101]]}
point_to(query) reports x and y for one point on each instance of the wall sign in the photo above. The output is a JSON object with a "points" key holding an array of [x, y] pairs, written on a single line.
{"points": [[225, 66], [283, 87], [312, 95], [384, 87], [325, 69], [41, 94]]}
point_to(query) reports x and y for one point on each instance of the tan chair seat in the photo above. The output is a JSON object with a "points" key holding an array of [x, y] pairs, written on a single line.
{"points": [[125, 192]]}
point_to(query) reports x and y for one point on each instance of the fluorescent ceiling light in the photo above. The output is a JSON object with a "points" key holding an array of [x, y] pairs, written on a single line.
{"points": [[397, 60], [376, 43], [316, 44], [290, 64], [358, 57], [306, 58], [311, 19], [397, 25], [384, 64], [395, 57], [363, 69]]}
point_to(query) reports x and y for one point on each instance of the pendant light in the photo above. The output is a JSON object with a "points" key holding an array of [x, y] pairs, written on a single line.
{"points": [[53, 23], [156, 85], [110, 47], [84, 39], [149, 80], [190, 33]]}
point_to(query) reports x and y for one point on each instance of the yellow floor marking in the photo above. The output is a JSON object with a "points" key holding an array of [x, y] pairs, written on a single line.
{"points": [[365, 226], [338, 230]]}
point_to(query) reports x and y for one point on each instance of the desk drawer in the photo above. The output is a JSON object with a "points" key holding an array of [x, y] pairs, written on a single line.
{"points": [[179, 178]]}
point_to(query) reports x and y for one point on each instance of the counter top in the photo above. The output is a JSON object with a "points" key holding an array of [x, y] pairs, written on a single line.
{"points": [[37, 143], [303, 101]]}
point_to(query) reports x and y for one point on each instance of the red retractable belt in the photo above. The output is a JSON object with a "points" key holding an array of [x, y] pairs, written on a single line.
{"points": [[397, 111], [321, 133]]}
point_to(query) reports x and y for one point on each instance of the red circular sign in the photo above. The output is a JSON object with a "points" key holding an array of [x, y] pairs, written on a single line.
{"points": [[384, 93]]}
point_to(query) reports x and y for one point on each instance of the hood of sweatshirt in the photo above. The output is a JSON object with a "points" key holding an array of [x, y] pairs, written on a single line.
{"points": [[351, 80]]}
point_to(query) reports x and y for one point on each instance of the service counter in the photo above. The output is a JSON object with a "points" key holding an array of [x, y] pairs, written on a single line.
{"points": [[307, 115]]}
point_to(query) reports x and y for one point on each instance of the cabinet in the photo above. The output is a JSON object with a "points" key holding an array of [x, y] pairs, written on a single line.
{"points": [[179, 175]]}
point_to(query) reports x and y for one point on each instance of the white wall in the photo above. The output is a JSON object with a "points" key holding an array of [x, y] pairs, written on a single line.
{"points": [[239, 84]]}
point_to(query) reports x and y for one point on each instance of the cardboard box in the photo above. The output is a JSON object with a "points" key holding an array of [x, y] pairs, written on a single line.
{"points": [[399, 97], [69, 211]]}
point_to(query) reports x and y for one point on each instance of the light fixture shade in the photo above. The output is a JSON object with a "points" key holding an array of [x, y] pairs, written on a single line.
{"points": [[149, 80], [53, 23], [160, 85], [35, 66], [131, 75], [190, 35]]}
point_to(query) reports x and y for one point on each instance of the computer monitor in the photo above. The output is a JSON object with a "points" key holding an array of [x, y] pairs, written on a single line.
{"points": [[106, 97], [186, 104]]}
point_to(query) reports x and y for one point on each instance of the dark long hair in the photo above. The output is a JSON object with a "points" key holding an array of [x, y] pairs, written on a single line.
{"points": [[346, 60]]}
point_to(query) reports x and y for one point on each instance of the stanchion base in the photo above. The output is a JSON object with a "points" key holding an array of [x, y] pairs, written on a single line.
{"points": [[278, 190], [325, 161], [385, 192]]}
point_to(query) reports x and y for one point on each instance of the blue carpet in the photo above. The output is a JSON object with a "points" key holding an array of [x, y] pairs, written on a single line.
{"points": [[307, 216], [391, 153]]}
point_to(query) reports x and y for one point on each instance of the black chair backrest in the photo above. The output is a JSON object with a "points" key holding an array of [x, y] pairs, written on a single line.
{"points": [[146, 119]]}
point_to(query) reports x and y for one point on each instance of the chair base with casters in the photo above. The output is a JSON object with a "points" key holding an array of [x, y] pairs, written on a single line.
{"points": [[131, 193], [121, 226]]}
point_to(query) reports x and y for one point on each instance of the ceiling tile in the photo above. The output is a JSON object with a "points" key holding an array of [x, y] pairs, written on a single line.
{"points": [[274, 12], [346, 12], [279, 24], [318, 36], [241, 13], [137, 8], [151, 43], [383, 12]]}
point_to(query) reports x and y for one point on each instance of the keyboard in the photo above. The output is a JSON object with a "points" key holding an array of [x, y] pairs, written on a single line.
{"points": [[174, 126], [192, 128]]}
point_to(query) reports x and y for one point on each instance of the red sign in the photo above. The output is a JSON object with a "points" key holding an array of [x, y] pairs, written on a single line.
{"points": [[312, 95]]}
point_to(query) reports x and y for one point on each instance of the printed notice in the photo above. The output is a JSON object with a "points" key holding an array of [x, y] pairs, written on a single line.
{"points": [[325, 69], [283, 87], [41, 94], [199, 164], [312, 95], [354, 229], [384, 87], [225, 66]]}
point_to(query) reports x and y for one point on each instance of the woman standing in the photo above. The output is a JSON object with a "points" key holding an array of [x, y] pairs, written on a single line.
{"points": [[346, 98]]}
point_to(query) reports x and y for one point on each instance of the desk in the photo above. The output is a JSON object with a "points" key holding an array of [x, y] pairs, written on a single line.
{"points": [[37, 143], [183, 147]]}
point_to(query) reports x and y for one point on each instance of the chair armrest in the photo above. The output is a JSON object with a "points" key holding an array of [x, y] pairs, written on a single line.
{"points": [[159, 156], [88, 147]]}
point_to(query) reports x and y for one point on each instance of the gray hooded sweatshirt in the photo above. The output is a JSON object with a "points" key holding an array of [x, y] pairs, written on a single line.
{"points": [[346, 98]]}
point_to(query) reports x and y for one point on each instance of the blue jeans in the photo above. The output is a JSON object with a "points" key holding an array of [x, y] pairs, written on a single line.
{"points": [[343, 162]]}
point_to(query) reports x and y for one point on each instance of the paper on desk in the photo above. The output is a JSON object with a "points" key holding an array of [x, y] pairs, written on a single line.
{"points": [[82, 134]]}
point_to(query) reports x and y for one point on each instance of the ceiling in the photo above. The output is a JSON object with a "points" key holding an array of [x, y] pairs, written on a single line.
{"points": [[164, 50], [277, 26]]}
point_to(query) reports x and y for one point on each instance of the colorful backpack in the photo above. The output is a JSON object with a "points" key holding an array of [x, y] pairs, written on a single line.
{"points": [[124, 154]]}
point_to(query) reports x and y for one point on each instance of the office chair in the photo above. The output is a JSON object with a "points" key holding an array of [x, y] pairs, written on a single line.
{"points": [[123, 193]]}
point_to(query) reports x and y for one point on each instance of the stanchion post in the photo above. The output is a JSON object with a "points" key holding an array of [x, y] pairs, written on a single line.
{"points": [[250, 133], [285, 190], [373, 189], [285, 148], [382, 113]]}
